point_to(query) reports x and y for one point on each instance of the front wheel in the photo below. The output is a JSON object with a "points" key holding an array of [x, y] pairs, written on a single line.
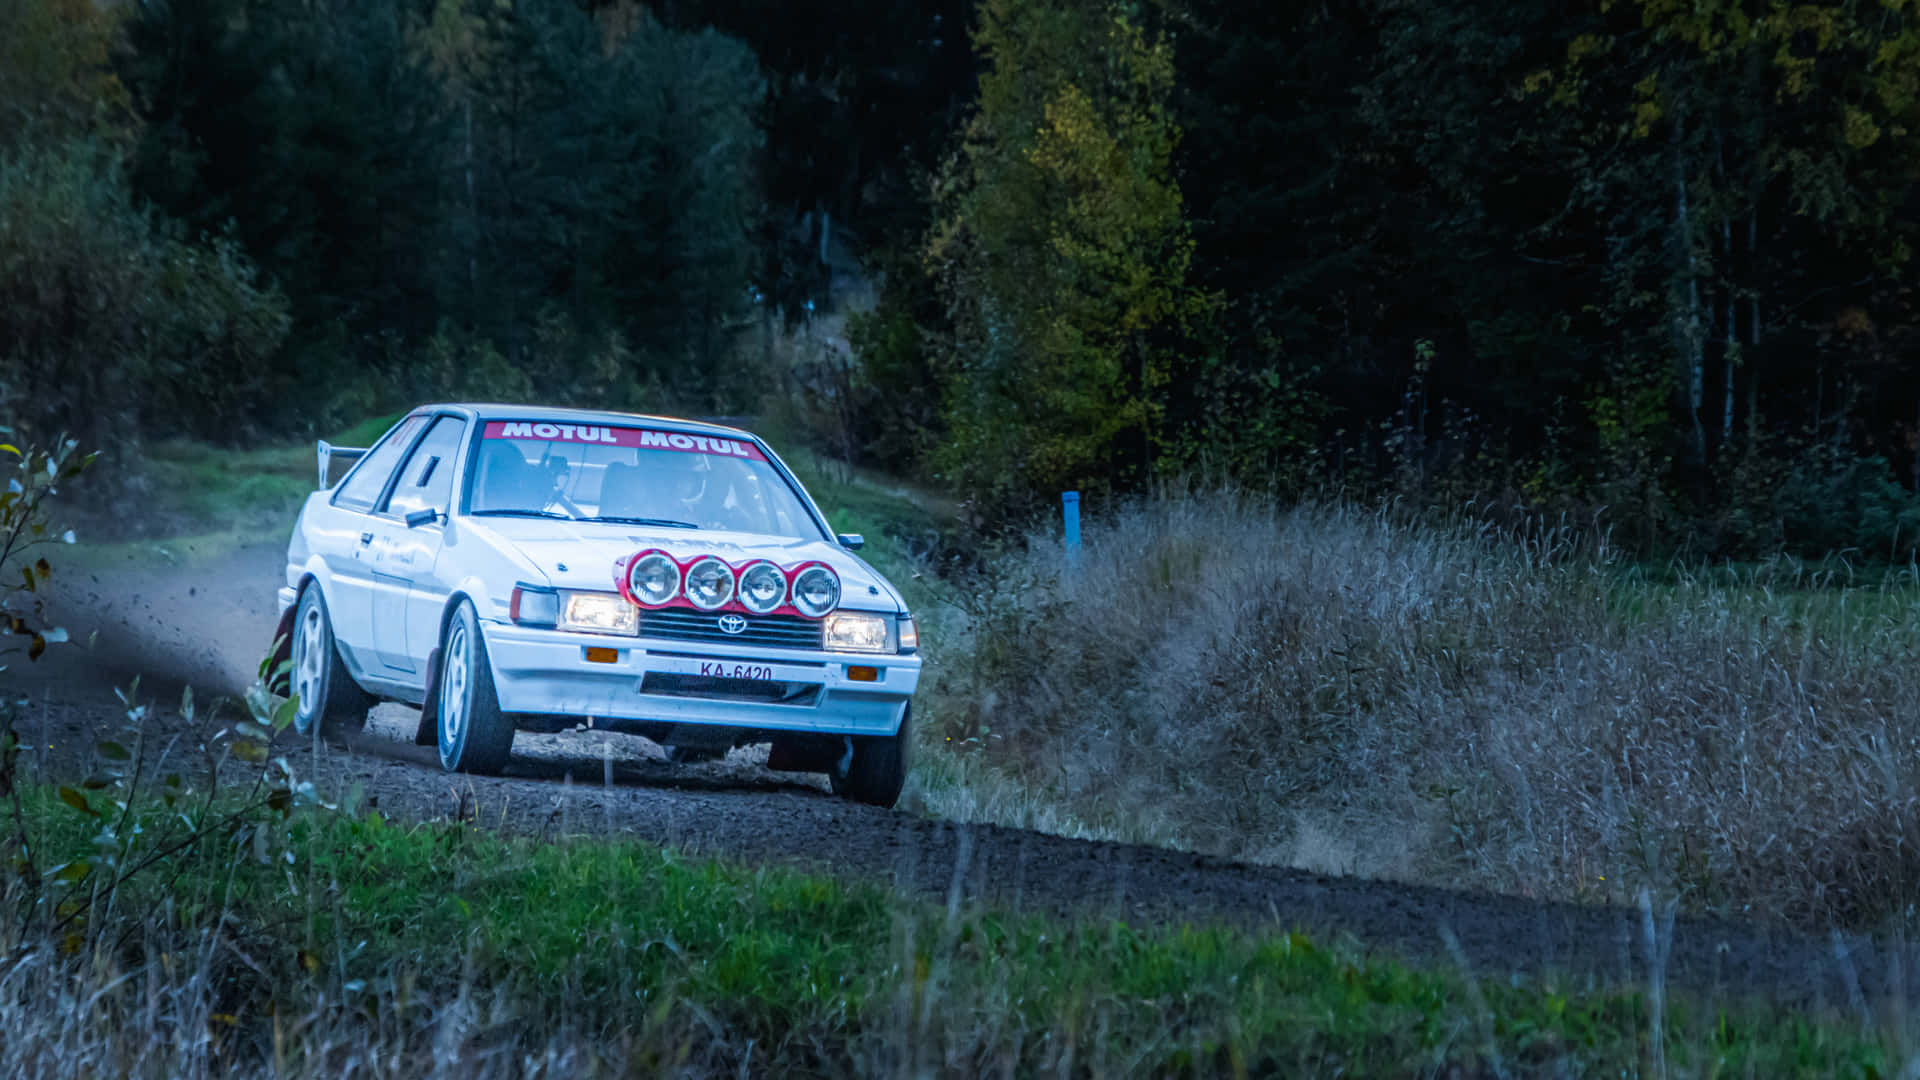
{"points": [[328, 697], [474, 736], [878, 769]]}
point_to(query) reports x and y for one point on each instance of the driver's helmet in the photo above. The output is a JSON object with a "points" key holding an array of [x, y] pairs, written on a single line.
{"points": [[503, 475], [690, 484]]}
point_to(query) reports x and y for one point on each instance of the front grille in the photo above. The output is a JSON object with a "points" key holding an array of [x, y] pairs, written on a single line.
{"points": [[763, 691], [778, 631]]}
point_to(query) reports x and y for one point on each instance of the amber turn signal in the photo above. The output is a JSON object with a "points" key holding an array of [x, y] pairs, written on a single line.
{"points": [[599, 655], [863, 674]]}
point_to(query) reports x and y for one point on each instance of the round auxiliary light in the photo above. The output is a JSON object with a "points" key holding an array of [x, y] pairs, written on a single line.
{"points": [[653, 578], [816, 590], [762, 587], [709, 583]]}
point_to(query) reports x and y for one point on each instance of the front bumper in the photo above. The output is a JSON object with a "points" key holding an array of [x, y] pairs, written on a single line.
{"points": [[548, 673]]}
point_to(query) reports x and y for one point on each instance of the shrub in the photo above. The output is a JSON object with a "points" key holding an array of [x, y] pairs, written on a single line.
{"points": [[109, 320], [896, 408], [25, 527], [1833, 499], [1347, 691]]}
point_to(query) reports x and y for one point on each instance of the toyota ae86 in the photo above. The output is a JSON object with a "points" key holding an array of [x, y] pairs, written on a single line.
{"points": [[510, 568]]}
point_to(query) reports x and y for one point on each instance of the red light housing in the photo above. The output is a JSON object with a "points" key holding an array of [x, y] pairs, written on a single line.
{"points": [[629, 567], [650, 566]]}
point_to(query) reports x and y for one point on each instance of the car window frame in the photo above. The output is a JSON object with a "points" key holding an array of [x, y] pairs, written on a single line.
{"points": [[780, 469], [386, 487], [383, 508]]}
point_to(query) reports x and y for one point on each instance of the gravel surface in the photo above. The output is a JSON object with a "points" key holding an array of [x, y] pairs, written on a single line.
{"points": [[203, 621]]}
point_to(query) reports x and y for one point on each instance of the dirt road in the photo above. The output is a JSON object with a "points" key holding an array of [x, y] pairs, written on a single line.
{"points": [[205, 621]]}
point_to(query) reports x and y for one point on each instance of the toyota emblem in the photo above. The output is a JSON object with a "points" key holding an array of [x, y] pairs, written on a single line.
{"points": [[733, 624]]}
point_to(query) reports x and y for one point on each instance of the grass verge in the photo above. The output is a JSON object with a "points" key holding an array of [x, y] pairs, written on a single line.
{"points": [[330, 944], [1343, 691], [185, 499]]}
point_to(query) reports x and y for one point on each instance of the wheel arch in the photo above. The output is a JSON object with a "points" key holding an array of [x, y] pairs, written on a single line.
{"points": [[276, 673], [425, 734]]}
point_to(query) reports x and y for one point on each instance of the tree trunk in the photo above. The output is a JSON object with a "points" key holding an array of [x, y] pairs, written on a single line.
{"points": [[473, 216], [826, 256], [1753, 322], [1733, 332], [1687, 322]]}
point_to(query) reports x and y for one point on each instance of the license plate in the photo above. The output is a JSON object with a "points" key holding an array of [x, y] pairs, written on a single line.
{"points": [[735, 671]]}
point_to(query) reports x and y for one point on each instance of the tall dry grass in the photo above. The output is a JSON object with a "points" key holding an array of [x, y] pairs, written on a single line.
{"points": [[1455, 704], [209, 996]]}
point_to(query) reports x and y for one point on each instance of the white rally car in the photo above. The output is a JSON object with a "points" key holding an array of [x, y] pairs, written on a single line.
{"points": [[509, 568]]}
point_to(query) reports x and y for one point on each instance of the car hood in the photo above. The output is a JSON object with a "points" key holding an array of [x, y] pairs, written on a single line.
{"points": [[581, 554]]}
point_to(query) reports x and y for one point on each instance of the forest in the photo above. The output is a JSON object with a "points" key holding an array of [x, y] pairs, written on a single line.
{"points": [[1640, 265]]}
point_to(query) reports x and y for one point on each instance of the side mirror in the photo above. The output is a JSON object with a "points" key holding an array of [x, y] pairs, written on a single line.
{"points": [[423, 516], [851, 541]]}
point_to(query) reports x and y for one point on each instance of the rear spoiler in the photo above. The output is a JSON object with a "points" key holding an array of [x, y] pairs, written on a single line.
{"points": [[329, 453]]}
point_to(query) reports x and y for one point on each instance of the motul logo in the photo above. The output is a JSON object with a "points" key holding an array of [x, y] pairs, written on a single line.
{"points": [[699, 443], [567, 432], [620, 436]]}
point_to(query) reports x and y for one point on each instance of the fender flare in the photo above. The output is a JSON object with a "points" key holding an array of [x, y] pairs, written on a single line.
{"points": [[427, 732], [279, 679], [277, 668]]}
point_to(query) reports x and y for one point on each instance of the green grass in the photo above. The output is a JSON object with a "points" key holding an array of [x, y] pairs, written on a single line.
{"points": [[1819, 603], [366, 431], [820, 976], [897, 520], [195, 502]]}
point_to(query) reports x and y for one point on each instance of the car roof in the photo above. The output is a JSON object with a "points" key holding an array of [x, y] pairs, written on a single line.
{"points": [[496, 411]]}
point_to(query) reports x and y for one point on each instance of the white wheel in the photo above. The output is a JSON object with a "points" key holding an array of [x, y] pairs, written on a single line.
{"points": [[456, 664], [472, 734], [328, 697], [309, 657]]}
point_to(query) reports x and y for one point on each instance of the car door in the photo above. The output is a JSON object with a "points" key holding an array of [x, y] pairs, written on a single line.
{"points": [[406, 596], [346, 543]]}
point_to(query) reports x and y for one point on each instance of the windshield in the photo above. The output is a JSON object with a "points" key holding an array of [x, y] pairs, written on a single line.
{"points": [[633, 476]]}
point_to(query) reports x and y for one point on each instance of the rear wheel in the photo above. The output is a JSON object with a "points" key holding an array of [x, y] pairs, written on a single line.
{"points": [[878, 769], [474, 736], [329, 699]]}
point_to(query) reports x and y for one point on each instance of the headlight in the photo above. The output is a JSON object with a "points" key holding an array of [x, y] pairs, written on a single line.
{"points": [[709, 583], [909, 635], [816, 591], [857, 631], [762, 588], [598, 613], [653, 578]]}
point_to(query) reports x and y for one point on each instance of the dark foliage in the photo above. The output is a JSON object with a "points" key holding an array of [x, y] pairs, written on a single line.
{"points": [[1631, 259]]}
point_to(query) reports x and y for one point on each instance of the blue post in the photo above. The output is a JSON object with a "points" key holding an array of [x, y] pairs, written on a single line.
{"points": [[1070, 500]]}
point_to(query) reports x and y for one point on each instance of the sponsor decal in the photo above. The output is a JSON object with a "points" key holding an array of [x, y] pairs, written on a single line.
{"points": [[642, 438]]}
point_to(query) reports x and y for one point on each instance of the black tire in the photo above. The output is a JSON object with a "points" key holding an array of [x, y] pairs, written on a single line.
{"points": [[329, 698], [879, 767], [472, 733], [693, 755]]}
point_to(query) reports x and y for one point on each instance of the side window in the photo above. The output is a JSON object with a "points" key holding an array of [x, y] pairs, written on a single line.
{"points": [[426, 480], [363, 485]]}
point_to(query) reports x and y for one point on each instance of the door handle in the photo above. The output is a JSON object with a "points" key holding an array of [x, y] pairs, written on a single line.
{"points": [[366, 538]]}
